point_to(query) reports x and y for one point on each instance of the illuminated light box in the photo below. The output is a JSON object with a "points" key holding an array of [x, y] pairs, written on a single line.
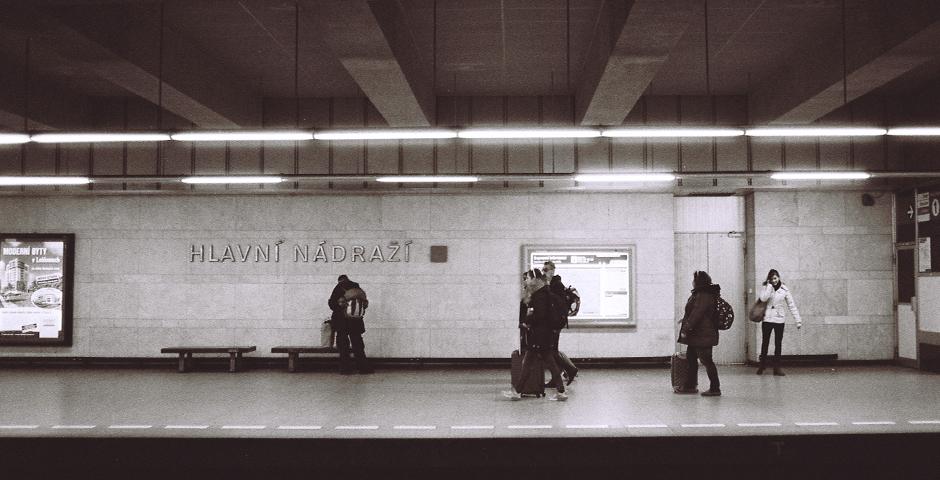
{"points": [[605, 277], [36, 272]]}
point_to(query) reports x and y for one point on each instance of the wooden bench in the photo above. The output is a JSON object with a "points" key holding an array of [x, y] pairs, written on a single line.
{"points": [[293, 353], [186, 355]]}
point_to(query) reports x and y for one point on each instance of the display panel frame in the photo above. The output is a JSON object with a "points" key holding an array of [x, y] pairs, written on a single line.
{"points": [[534, 255], [66, 287]]}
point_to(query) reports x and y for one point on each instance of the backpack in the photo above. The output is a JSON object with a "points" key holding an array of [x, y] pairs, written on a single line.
{"points": [[724, 312], [356, 303], [573, 300]]}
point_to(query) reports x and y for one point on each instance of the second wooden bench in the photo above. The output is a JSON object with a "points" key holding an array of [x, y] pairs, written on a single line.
{"points": [[293, 353]]}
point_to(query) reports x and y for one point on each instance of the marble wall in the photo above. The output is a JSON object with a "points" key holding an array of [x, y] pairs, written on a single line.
{"points": [[137, 290], [836, 257]]}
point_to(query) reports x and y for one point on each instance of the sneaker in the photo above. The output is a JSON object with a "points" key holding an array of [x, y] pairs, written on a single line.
{"points": [[512, 394], [685, 391], [711, 393], [559, 397]]}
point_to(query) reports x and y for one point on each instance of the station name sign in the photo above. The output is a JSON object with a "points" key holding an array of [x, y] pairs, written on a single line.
{"points": [[323, 251]]}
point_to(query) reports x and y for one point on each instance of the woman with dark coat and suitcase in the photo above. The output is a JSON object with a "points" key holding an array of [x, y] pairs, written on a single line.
{"points": [[700, 332], [539, 336]]}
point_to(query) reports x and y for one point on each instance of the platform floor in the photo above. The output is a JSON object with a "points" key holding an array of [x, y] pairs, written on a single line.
{"points": [[459, 403]]}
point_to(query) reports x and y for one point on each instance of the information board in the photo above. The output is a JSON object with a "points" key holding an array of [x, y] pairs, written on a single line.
{"points": [[604, 277], [927, 207], [36, 289]]}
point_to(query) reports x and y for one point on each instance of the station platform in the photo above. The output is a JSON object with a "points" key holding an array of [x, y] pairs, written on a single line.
{"points": [[843, 418]]}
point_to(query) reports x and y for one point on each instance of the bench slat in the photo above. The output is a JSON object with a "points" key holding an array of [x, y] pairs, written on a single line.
{"points": [[301, 349], [208, 349]]}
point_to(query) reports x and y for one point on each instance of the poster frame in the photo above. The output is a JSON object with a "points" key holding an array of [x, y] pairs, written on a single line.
{"points": [[576, 322], [68, 284]]}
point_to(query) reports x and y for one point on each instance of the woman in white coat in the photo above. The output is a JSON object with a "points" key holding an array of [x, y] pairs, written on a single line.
{"points": [[779, 299]]}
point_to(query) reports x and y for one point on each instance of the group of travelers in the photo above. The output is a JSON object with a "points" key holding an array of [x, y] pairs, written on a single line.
{"points": [[700, 325], [543, 314]]}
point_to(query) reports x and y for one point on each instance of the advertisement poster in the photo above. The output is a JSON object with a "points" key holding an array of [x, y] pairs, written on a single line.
{"points": [[924, 264], [603, 278], [34, 272]]}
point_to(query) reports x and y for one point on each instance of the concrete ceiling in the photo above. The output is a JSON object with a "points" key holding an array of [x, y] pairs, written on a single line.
{"points": [[220, 59]]}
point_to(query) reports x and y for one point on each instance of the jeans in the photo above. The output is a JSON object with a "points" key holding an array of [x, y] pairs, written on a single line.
{"points": [[766, 329], [343, 341], [693, 355], [561, 359]]}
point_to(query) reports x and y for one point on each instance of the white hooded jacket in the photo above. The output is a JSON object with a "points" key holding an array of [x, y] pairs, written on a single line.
{"points": [[777, 300]]}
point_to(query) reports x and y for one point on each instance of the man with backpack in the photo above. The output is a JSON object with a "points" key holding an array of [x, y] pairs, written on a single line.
{"points": [[348, 303], [561, 306]]}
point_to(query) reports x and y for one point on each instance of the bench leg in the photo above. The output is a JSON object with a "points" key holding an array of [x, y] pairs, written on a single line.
{"points": [[182, 363], [232, 362], [292, 362]]}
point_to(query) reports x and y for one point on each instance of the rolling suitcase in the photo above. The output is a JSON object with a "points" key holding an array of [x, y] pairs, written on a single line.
{"points": [[535, 384], [680, 370]]}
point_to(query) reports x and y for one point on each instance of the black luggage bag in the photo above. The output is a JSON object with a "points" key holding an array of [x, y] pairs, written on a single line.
{"points": [[535, 384], [680, 370]]}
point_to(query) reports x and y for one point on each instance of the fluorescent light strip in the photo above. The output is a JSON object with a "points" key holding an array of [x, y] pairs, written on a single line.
{"points": [[427, 179], [625, 177], [672, 132], [20, 181], [98, 137], [915, 131], [530, 133], [815, 132], [820, 176], [384, 134], [13, 138], [243, 136], [230, 179]]}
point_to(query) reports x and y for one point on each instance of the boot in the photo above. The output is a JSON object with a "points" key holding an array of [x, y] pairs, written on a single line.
{"points": [[763, 364], [777, 370]]}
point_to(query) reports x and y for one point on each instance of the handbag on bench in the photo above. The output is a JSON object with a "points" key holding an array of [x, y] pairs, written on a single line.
{"points": [[327, 335]]}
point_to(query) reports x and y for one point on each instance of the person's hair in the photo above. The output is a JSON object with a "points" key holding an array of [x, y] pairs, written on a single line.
{"points": [[771, 273], [701, 279], [534, 273], [549, 265], [342, 278]]}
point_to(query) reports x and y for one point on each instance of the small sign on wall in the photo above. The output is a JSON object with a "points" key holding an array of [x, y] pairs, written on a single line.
{"points": [[438, 253]]}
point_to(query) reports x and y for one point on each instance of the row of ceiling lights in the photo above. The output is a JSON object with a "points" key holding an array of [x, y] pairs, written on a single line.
{"points": [[253, 179], [502, 133]]}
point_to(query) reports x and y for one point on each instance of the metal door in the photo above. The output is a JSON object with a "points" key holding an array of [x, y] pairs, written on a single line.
{"points": [[722, 256]]}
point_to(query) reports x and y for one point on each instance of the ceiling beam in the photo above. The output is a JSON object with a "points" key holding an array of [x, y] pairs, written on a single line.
{"points": [[879, 48], [195, 86], [631, 42], [374, 43]]}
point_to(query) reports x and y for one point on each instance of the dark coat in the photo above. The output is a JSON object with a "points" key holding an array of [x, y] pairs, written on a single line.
{"points": [[338, 317], [540, 331], [700, 323], [558, 289]]}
